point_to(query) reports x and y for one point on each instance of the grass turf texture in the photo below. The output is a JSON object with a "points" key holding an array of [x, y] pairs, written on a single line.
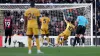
{"points": [[56, 51]]}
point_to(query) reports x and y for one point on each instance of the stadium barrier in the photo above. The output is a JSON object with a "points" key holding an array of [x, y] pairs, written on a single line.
{"points": [[21, 41], [0, 41]]}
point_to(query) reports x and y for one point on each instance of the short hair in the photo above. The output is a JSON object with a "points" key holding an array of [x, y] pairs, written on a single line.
{"points": [[81, 13], [46, 14], [68, 19], [32, 4], [8, 13]]}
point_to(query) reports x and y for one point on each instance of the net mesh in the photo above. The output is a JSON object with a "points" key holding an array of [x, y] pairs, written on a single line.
{"points": [[57, 24]]}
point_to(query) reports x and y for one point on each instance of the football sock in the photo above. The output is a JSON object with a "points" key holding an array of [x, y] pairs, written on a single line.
{"points": [[65, 38], [29, 43], [48, 39], [78, 40], [9, 40], [74, 43], [42, 39], [5, 40], [83, 40], [58, 40], [61, 41], [37, 43]]}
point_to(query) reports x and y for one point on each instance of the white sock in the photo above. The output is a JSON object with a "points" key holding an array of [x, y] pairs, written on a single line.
{"points": [[83, 44], [38, 51], [77, 44], [29, 51], [5, 44]]}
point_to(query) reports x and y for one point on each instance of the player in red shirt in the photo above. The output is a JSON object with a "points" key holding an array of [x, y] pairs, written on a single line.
{"points": [[8, 28]]}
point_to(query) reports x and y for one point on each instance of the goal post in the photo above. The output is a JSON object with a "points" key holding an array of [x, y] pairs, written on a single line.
{"points": [[55, 10]]}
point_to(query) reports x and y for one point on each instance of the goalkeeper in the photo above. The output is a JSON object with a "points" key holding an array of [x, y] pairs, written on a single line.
{"points": [[69, 28]]}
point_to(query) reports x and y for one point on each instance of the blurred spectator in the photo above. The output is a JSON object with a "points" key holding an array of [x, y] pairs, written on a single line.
{"points": [[79, 1], [57, 24], [70, 1], [21, 1], [13, 1]]}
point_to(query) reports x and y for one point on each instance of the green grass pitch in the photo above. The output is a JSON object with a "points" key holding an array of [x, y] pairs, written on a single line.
{"points": [[54, 51]]}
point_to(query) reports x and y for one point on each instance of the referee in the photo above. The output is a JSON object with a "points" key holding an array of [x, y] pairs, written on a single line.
{"points": [[82, 23]]}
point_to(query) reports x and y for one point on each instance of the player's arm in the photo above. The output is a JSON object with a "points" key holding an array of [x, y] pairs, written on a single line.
{"points": [[65, 20], [4, 23], [12, 25], [25, 22], [38, 21], [76, 22], [25, 19], [38, 18]]}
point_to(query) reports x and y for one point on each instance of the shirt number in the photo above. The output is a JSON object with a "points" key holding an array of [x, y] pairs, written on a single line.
{"points": [[70, 28], [31, 16], [44, 21], [7, 24]]}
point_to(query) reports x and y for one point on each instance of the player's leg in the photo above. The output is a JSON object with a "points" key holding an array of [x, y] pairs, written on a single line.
{"points": [[83, 40], [29, 34], [58, 38], [5, 41], [42, 38], [64, 39], [36, 31], [29, 43], [47, 35], [10, 34], [82, 37], [42, 35], [78, 39], [6, 36], [9, 41], [77, 35]]}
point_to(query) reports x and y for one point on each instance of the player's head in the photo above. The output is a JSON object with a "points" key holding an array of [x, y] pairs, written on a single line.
{"points": [[32, 4], [73, 22], [45, 14], [68, 19], [81, 13], [8, 14]]}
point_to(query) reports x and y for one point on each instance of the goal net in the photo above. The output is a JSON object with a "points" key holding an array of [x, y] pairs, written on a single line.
{"points": [[56, 13]]}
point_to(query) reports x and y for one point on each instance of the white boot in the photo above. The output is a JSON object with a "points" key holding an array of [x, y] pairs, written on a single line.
{"points": [[39, 52], [78, 45], [29, 51], [83, 45]]}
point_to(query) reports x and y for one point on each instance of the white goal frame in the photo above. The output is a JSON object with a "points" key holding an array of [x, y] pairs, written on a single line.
{"points": [[54, 8]]}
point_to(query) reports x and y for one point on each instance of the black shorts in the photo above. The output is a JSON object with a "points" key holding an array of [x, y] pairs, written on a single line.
{"points": [[80, 29], [8, 32]]}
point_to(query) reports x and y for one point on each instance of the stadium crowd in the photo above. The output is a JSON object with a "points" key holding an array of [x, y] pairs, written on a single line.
{"points": [[19, 21], [47, 1], [98, 16]]}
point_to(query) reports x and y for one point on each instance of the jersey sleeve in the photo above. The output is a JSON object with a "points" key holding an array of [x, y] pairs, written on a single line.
{"points": [[4, 23]]}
